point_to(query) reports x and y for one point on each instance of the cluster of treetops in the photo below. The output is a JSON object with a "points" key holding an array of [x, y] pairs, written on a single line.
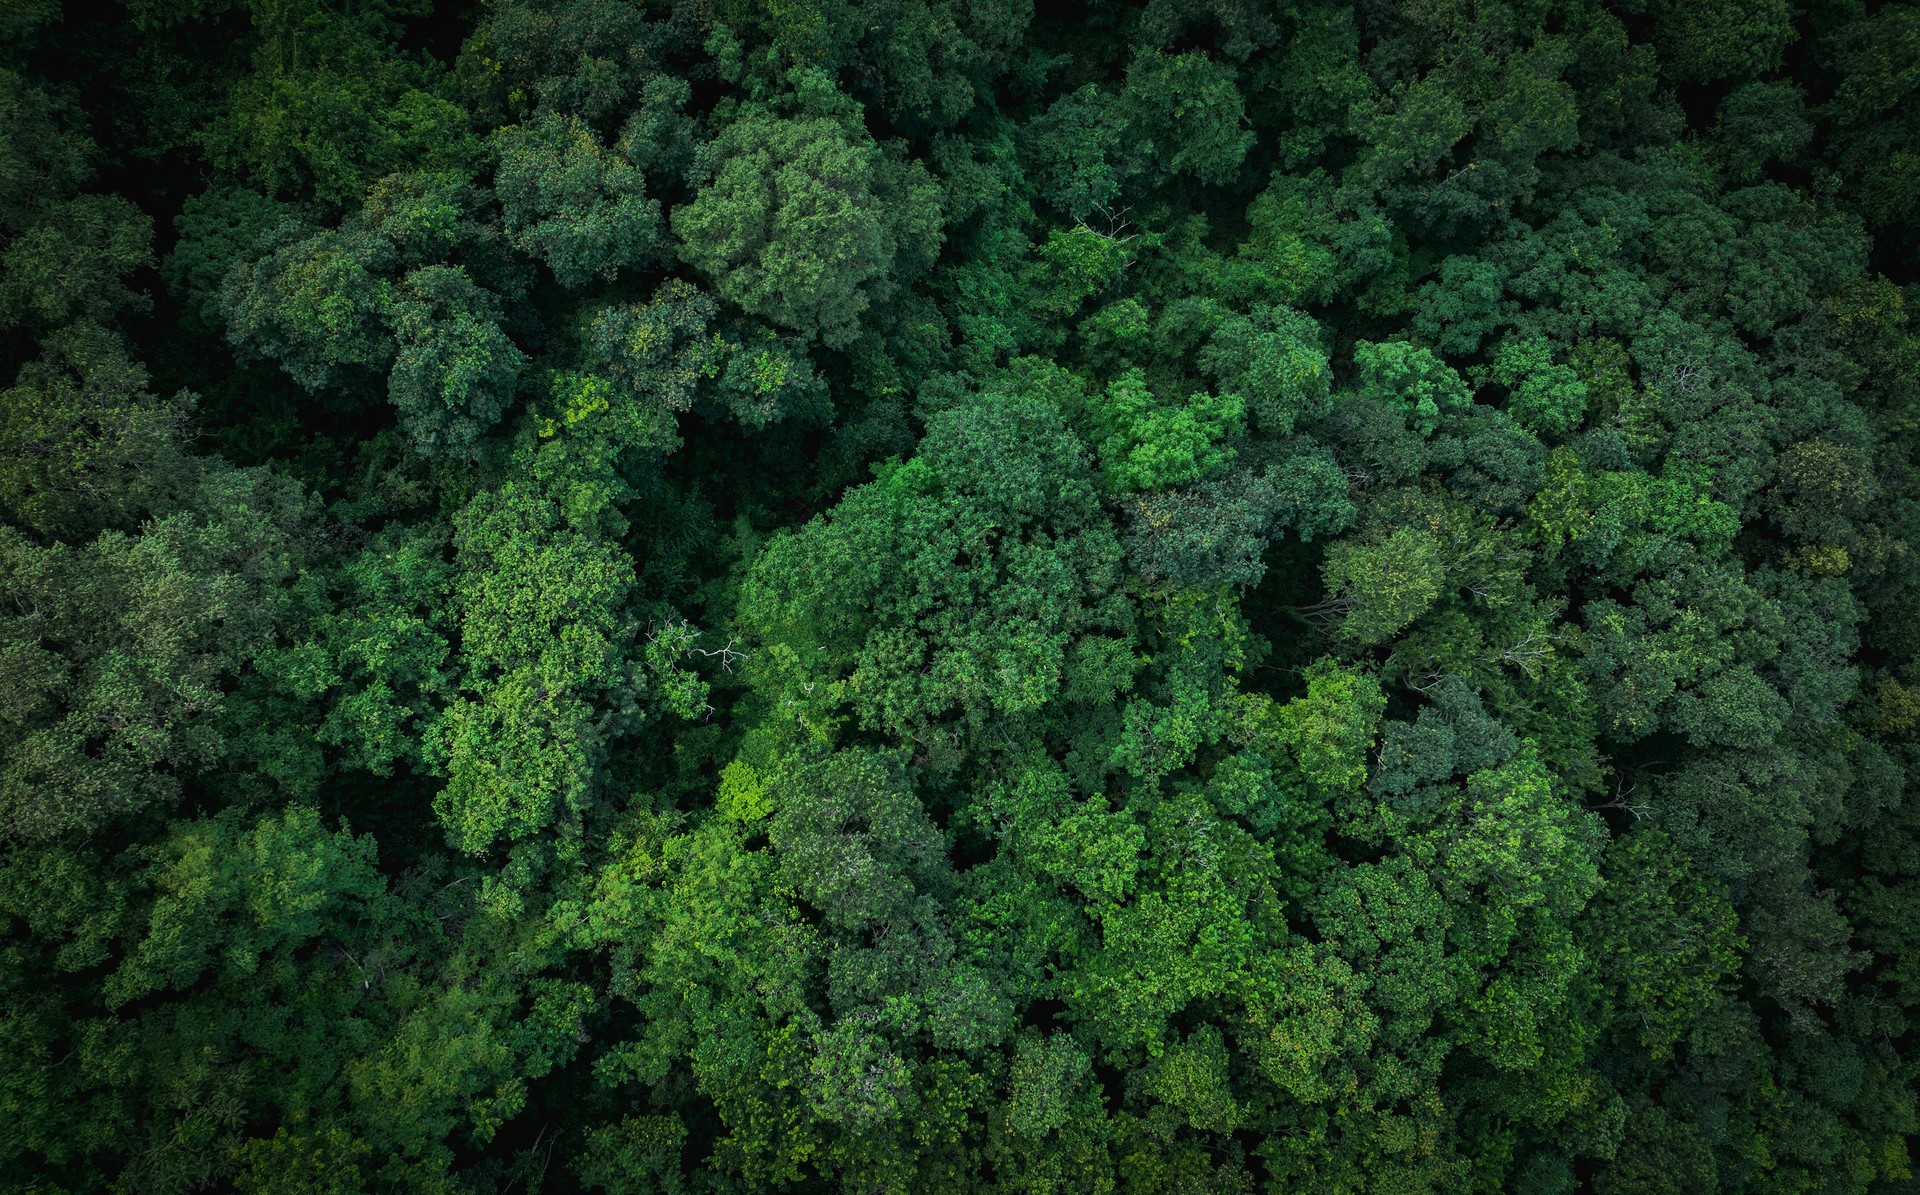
{"points": [[894, 596]]}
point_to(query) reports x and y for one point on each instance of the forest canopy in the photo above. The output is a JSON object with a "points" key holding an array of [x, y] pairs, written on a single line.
{"points": [[895, 596]]}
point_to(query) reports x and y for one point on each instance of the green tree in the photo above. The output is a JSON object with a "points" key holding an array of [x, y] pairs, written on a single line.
{"points": [[1667, 938], [1273, 362], [573, 205], [72, 262], [218, 229], [1380, 583], [952, 587], [454, 370], [1412, 380], [1188, 114], [1728, 40], [807, 224], [83, 445], [543, 632], [123, 650], [1146, 443]]}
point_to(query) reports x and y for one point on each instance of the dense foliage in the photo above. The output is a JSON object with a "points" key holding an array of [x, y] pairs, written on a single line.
{"points": [[697, 596]]}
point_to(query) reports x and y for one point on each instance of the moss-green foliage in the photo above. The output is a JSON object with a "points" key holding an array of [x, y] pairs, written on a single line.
{"points": [[1185, 595], [807, 222]]}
